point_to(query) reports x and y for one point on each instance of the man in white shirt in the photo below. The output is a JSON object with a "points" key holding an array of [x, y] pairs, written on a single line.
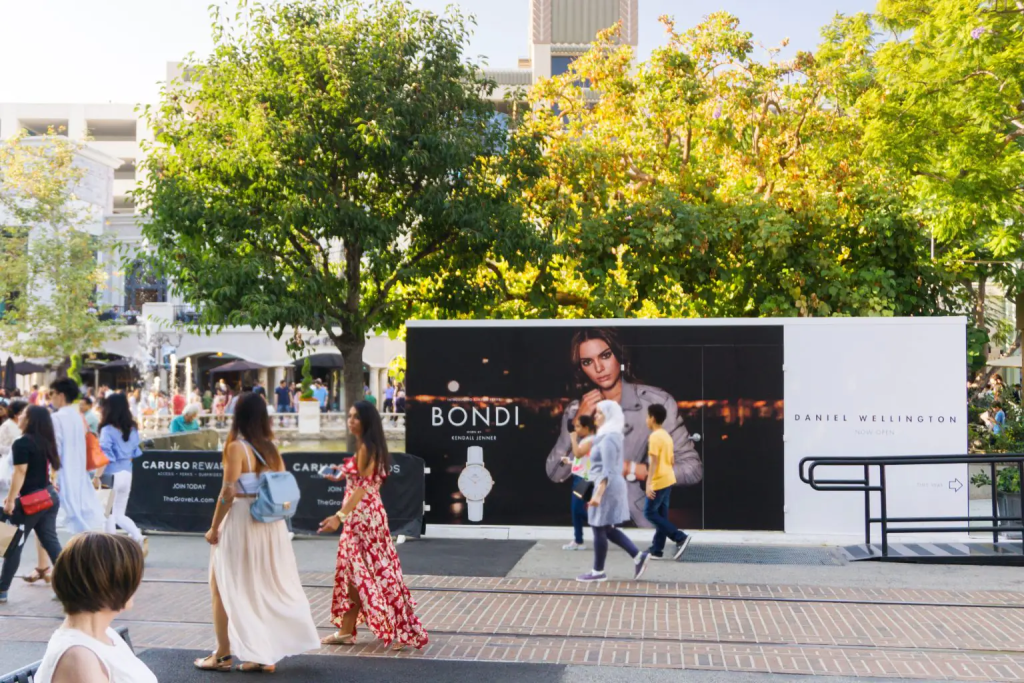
{"points": [[78, 500]]}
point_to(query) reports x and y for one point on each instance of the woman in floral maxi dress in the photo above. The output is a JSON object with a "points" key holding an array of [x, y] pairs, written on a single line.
{"points": [[368, 583]]}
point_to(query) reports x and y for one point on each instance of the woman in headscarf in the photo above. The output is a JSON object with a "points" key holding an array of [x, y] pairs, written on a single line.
{"points": [[609, 503]]}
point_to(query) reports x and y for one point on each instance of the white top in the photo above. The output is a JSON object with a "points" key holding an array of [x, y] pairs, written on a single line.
{"points": [[9, 433], [118, 659]]}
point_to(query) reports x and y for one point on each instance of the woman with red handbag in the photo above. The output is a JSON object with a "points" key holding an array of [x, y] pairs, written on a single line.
{"points": [[32, 502]]}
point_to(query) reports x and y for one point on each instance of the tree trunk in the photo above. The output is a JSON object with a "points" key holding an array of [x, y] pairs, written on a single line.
{"points": [[352, 355]]}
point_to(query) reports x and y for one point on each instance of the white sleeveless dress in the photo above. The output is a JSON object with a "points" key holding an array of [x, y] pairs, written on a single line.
{"points": [[118, 659]]}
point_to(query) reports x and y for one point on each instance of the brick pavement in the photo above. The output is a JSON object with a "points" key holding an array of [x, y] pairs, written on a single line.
{"points": [[663, 625]]}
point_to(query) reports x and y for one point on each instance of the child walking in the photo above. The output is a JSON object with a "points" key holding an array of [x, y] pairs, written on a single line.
{"points": [[581, 438]]}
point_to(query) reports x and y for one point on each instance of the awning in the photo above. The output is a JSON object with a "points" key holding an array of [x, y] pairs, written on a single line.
{"points": [[237, 366], [1008, 362], [27, 368], [326, 361]]}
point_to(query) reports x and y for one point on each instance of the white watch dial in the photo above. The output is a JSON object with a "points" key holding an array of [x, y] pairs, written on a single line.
{"points": [[475, 482]]}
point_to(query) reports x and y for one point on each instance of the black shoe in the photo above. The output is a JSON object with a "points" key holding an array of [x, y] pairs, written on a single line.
{"points": [[681, 547], [654, 555]]}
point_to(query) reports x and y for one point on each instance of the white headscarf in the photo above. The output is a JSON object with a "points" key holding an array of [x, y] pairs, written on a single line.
{"points": [[614, 420]]}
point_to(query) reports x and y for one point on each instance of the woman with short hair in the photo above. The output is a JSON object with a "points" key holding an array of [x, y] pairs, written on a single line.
{"points": [[95, 579]]}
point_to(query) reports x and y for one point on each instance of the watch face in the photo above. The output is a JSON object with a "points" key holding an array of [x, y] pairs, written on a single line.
{"points": [[475, 482]]}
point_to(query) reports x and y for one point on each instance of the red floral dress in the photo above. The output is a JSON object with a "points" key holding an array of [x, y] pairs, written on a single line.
{"points": [[367, 560]]}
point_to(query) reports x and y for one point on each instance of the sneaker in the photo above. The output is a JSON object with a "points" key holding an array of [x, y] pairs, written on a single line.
{"points": [[654, 555], [592, 577], [3, 598], [574, 546], [682, 546], [641, 565]]}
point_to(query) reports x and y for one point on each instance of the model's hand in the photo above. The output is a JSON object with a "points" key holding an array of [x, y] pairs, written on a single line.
{"points": [[213, 536], [329, 525], [9, 506], [594, 502], [588, 406], [566, 461], [650, 493]]}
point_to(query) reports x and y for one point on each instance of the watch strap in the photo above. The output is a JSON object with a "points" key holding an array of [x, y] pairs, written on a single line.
{"points": [[476, 510], [475, 455]]}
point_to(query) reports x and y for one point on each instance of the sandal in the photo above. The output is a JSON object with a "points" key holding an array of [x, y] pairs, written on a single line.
{"points": [[253, 667], [215, 663], [337, 638], [39, 574]]}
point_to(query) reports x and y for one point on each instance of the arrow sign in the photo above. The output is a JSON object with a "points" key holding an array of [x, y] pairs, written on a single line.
{"points": [[958, 485]]}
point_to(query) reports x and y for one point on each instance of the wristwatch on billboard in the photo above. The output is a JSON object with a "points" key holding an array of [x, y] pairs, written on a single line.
{"points": [[475, 483]]}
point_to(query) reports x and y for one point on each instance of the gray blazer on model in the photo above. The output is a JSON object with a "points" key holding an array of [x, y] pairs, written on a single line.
{"points": [[635, 398]]}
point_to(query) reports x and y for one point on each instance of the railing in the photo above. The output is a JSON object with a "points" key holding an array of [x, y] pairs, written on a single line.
{"points": [[183, 313], [152, 425], [119, 315], [807, 475], [27, 674]]}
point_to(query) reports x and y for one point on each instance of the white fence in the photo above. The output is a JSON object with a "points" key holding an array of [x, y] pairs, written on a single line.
{"points": [[330, 423]]}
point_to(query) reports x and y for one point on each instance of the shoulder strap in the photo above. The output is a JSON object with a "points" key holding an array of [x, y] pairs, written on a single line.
{"points": [[248, 447]]}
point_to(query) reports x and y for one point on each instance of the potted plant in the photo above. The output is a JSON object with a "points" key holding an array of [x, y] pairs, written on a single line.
{"points": [[1007, 493], [309, 407]]}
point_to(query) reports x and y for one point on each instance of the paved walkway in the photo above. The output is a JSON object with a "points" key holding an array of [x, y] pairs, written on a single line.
{"points": [[878, 631]]}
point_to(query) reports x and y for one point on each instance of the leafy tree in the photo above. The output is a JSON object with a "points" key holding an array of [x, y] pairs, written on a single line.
{"points": [[326, 157], [48, 270], [949, 116], [705, 182]]}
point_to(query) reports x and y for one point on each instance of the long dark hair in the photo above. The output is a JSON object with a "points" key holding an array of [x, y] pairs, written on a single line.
{"points": [[40, 429], [373, 436], [118, 415], [252, 423], [609, 337]]}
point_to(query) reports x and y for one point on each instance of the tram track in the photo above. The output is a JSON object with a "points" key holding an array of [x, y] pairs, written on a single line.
{"points": [[663, 596], [512, 635]]}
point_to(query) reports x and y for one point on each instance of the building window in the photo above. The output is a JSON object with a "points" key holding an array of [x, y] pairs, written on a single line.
{"points": [[143, 287], [559, 65]]}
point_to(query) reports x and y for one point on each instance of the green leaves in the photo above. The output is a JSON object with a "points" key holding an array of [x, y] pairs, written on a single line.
{"points": [[49, 275]]}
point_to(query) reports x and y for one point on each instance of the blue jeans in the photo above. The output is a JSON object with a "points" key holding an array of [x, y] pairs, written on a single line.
{"points": [[656, 512], [579, 514]]}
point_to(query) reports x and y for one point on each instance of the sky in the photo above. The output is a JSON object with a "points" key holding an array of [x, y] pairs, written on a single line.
{"points": [[98, 51]]}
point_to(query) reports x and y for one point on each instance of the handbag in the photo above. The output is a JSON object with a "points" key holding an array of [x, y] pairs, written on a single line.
{"points": [[95, 458], [278, 495], [584, 489], [37, 501]]}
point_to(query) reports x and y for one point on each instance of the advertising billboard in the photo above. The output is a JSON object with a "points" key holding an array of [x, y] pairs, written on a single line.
{"points": [[492, 406], [491, 409]]}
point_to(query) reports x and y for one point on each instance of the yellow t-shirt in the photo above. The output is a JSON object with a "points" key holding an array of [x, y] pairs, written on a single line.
{"points": [[660, 446]]}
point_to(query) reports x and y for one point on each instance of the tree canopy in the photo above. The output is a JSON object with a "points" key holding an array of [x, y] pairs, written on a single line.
{"points": [[49, 276], [326, 157]]}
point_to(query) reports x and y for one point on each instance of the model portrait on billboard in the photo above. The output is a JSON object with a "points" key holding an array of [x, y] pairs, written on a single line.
{"points": [[602, 372]]}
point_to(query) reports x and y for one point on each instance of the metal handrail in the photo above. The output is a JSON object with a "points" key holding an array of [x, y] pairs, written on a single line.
{"points": [[809, 465]]}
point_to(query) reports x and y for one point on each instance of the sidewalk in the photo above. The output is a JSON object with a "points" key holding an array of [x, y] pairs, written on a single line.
{"points": [[521, 606]]}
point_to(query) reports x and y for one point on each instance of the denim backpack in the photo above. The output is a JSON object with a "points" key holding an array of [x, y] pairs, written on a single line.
{"points": [[277, 497]]}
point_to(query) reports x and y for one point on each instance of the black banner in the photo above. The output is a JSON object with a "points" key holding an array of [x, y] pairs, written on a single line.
{"points": [[177, 491], [491, 410]]}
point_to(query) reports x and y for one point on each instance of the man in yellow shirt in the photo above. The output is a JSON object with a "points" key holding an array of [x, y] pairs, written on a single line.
{"points": [[662, 478]]}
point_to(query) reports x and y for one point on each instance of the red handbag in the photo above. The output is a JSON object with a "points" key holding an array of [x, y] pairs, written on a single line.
{"points": [[36, 502]]}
